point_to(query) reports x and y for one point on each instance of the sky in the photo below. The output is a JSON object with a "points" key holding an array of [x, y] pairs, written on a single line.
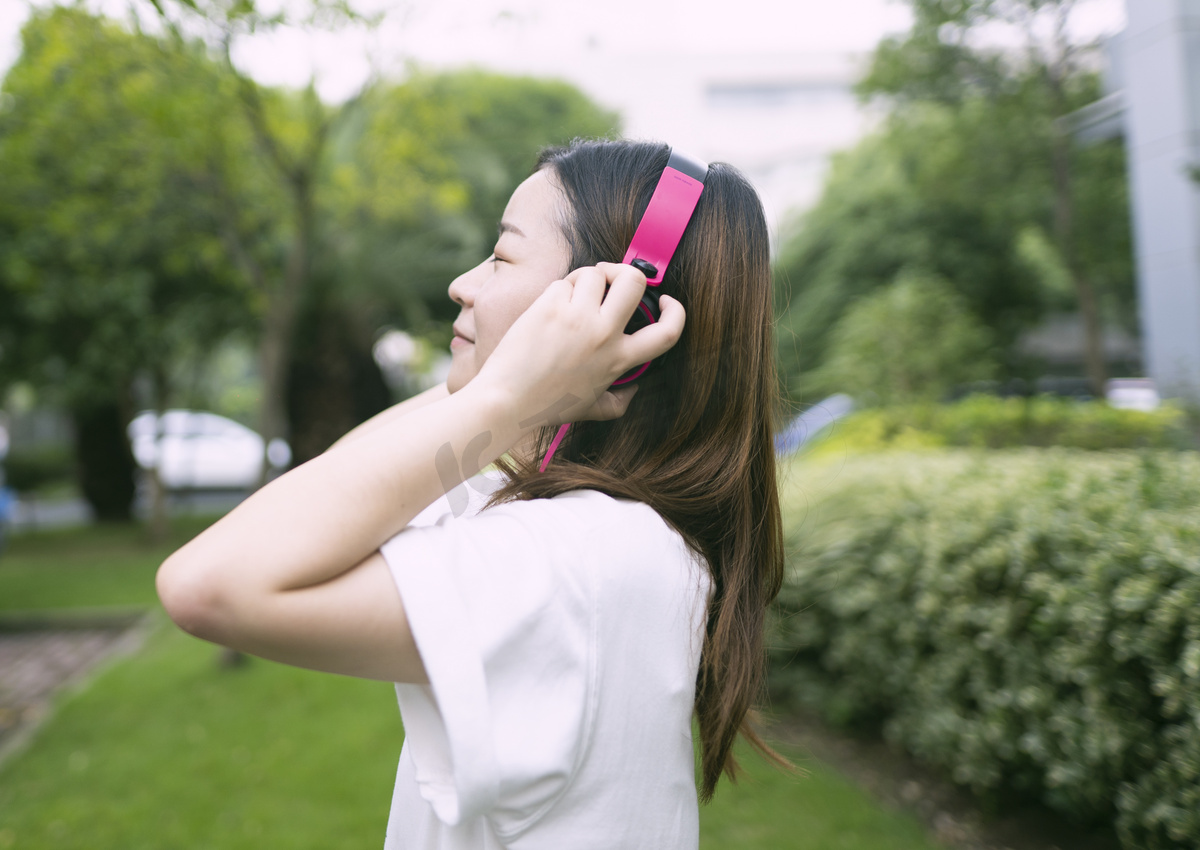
{"points": [[555, 36]]}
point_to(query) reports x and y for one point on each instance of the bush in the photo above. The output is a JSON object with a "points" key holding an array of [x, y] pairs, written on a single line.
{"points": [[989, 422], [29, 470], [1027, 620], [914, 339]]}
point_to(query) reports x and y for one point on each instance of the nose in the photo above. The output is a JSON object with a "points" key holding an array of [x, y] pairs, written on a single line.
{"points": [[463, 288]]}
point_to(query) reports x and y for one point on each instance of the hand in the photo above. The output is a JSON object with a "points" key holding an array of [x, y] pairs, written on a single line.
{"points": [[558, 360]]}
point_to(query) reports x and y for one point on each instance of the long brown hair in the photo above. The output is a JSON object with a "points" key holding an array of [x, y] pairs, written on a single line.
{"points": [[697, 442]]}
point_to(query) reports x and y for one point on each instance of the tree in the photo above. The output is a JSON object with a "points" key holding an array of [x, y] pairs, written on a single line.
{"points": [[115, 258], [411, 195], [921, 194], [418, 183], [292, 132], [964, 180], [185, 201], [1047, 79], [913, 340]]}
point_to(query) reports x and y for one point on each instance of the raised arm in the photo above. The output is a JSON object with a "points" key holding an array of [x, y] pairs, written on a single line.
{"points": [[394, 412], [294, 574]]}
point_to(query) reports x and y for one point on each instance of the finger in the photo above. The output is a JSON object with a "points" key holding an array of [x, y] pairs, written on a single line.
{"points": [[612, 404], [559, 289], [589, 284], [621, 398], [558, 292], [625, 292], [656, 339]]}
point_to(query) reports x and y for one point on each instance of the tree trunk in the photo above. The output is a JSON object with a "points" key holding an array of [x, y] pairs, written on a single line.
{"points": [[1056, 70], [334, 382], [160, 526], [1097, 368], [280, 321], [106, 465], [1089, 310]]}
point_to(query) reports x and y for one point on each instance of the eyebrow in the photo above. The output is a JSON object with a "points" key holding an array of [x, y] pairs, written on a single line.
{"points": [[507, 227]]}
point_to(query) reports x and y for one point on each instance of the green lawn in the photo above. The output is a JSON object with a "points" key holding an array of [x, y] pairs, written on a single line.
{"points": [[165, 750], [768, 810], [84, 567]]}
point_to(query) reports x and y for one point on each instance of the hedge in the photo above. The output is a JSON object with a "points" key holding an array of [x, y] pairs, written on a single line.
{"points": [[984, 421], [32, 469], [1027, 620]]}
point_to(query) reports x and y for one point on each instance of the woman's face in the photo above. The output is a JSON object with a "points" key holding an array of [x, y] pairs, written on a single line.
{"points": [[530, 254]]}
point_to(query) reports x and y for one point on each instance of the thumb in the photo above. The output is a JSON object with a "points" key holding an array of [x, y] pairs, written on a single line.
{"points": [[624, 396], [614, 402]]}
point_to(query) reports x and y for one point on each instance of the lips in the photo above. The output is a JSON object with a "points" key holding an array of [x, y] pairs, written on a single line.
{"points": [[459, 333]]}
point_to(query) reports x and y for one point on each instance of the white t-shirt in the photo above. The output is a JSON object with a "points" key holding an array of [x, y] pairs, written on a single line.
{"points": [[562, 638]]}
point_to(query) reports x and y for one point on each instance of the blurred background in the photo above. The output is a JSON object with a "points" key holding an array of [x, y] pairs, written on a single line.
{"points": [[227, 230], [255, 210]]}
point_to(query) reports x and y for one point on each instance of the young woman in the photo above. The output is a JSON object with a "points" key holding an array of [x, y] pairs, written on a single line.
{"points": [[552, 633]]}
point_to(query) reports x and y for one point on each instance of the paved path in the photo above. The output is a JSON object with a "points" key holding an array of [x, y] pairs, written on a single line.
{"points": [[34, 664]]}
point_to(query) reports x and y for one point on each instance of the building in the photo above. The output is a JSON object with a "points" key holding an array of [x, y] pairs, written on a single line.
{"points": [[1154, 102]]}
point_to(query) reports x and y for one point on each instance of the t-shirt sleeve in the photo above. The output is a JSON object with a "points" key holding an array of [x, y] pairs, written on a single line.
{"points": [[504, 620]]}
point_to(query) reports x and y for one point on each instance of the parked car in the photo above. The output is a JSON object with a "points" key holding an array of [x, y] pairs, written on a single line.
{"points": [[196, 450]]}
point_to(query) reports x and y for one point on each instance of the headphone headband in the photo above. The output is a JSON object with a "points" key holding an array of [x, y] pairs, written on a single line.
{"points": [[667, 216], [654, 242]]}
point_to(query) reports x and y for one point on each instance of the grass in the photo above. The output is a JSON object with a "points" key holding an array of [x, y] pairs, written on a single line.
{"points": [[768, 810], [167, 750], [163, 749], [85, 567]]}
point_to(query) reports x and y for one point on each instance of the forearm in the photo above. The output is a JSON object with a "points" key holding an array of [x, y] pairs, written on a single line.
{"points": [[327, 515], [394, 412], [294, 572]]}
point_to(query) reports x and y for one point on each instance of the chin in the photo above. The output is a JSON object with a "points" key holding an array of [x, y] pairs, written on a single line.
{"points": [[455, 381]]}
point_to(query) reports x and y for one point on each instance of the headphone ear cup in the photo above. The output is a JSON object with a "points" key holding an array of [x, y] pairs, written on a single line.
{"points": [[646, 314]]}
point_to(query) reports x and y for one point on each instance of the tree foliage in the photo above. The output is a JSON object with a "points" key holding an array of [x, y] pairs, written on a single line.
{"points": [[420, 179], [913, 340], [415, 184], [112, 143], [155, 199], [109, 143], [970, 177]]}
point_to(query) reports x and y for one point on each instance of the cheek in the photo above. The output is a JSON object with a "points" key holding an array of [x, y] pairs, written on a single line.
{"points": [[496, 311], [490, 322]]}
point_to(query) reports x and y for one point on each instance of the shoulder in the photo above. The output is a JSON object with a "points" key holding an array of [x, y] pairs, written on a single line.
{"points": [[622, 548], [595, 512], [581, 532], [599, 522]]}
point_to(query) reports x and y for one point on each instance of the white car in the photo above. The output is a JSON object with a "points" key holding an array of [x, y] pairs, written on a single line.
{"points": [[194, 450]]}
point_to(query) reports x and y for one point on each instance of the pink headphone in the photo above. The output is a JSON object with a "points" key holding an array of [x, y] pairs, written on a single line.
{"points": [[654, 243]]}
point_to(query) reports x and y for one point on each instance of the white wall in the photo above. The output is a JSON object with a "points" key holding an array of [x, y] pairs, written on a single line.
{"points": [[1160, 64]]}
